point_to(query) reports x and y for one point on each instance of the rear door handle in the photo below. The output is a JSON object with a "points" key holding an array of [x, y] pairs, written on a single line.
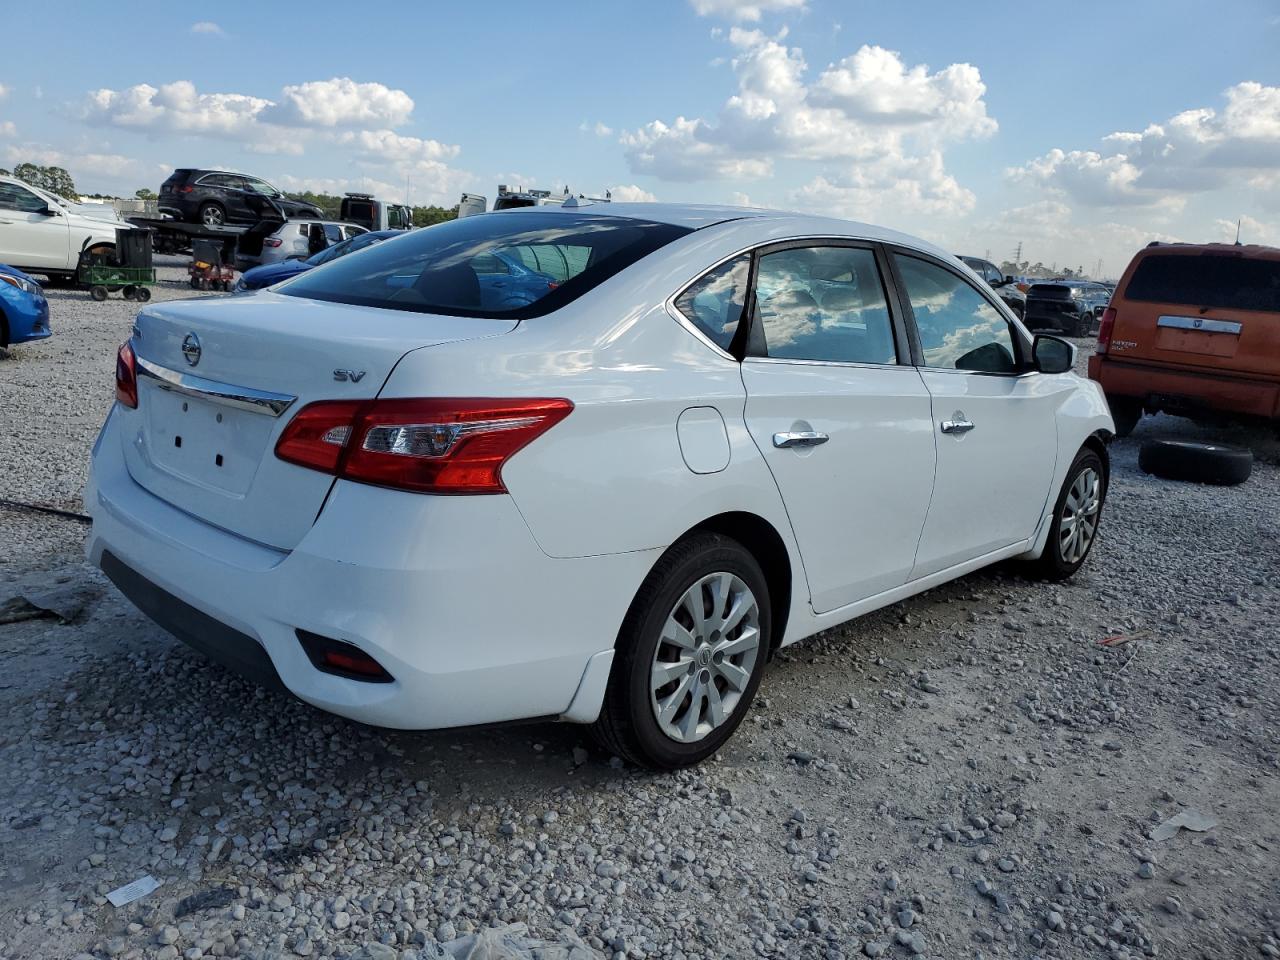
{"points": [[800, 438], [957, 426]]}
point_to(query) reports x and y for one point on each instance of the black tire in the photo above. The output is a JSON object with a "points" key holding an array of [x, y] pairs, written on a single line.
{"points": [[1196, 462], [1054, 564], [1126, 412], [213, 214], [1083, 326], [195, 283], [129, 292], [98, 293], [627, 726], [142, 294]]}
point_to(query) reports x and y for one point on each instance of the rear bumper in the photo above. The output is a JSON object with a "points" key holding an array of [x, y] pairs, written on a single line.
{"points": [[450, 594], [1184, 391]]}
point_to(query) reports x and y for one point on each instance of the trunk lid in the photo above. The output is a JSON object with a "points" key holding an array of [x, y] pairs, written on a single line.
{"points": [[203, 435], [1218, 310]]}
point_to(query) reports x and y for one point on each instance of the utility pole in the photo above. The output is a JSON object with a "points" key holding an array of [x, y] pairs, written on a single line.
{"points": [[1017, 254]]}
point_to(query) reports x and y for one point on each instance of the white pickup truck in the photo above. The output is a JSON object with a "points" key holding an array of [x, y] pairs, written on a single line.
{"points": [[44, 234]]}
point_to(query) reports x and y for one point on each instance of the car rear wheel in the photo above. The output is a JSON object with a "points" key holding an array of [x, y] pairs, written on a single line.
{"points": [[1076, 516], [690, 655], [212, 214]]}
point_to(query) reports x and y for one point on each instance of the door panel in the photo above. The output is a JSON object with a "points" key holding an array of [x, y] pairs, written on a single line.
{"points": [[994, 426], [857, 502], [992, 480], [845, 429], [29, 238]]}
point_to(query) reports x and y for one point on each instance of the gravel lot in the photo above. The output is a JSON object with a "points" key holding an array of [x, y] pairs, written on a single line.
{"points": [[967, 774]]}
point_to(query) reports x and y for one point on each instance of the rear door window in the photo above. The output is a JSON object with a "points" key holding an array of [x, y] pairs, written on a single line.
{"points": [[1209, 280], [332, 232], [822, 303], [563, 254]]}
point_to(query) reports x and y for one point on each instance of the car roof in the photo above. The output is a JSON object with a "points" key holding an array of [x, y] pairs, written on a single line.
{"points": [[1255, 251], [696, 216]]}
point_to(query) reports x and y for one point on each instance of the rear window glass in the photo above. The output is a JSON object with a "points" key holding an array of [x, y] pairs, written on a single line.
{"points": [[514, 265], [1232, 283]]}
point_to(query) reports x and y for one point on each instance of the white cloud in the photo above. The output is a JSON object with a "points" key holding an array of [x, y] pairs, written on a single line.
{"points": [[179, 107], [598, 128], [630, 193], [390, 146], [884, 189], [876, 124], [1251, 231], [176, 107], [1192, 152], [81, 165], [4, 91], [8, 129], [208, 27], [340, 101], [744, 10]]}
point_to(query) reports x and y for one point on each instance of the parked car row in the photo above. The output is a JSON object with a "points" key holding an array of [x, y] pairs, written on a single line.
{"points": [[1071, 307]]}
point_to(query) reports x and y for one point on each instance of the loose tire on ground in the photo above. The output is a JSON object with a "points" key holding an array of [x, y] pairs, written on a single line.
{"points": [[1077, 514], [1196, 462], [726, 579]]}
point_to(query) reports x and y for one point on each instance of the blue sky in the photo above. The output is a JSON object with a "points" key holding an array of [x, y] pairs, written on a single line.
{"points": [[975, 125]]}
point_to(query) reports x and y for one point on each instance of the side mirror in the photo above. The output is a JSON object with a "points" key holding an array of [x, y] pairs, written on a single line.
{"points": [[1053, 355], [49, 211]]}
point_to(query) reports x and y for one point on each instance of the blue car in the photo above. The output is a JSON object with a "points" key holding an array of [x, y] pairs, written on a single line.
{"points": [[24, 312], [270, 273]]}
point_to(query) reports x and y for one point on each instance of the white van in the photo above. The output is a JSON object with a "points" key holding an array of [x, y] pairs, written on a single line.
{"points": [[41, 233]]}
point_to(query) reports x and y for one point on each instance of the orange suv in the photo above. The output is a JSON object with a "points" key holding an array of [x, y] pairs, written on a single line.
{"points": [[1192, 330]]}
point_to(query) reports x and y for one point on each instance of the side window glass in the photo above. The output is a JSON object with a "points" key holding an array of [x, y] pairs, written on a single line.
{"points": [[959, 329], [13, 197], [823, 303], [332, 232], [714, 302]]}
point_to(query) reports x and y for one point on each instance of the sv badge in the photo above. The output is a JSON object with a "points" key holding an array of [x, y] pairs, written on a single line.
{"points": [[355, 376]]}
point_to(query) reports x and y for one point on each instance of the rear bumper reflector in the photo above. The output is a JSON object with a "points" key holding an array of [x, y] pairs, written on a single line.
{"points": [[341, 659]]}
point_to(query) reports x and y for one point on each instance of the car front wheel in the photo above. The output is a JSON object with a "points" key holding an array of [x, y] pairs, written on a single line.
{"points": [[689, 656], [1076, 517]]}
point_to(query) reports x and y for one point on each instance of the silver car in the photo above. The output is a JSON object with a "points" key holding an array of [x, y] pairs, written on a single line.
{"points": [[295, 240]]}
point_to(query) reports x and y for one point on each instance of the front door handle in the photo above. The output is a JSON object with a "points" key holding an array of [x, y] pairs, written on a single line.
{"points": [[799, 438], [957, 426]]}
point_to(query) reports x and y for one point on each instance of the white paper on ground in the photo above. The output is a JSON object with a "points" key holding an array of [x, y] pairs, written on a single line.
{"points": [[132, 891]]}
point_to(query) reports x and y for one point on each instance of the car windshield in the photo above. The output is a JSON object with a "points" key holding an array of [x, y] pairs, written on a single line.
{"points": [[1229, 282], [548, 260]]}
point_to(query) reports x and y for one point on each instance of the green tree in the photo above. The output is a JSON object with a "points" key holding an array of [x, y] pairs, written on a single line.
{"points": [[428, 216], [55, 180], [145, 194]]}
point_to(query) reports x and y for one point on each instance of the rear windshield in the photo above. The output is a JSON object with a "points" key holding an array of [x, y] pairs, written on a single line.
{"points": [[1232, 283], [1051, 291], [509, 265]]}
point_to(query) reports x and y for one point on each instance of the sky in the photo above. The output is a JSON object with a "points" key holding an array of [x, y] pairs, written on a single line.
{"points": [[1079, 131]]}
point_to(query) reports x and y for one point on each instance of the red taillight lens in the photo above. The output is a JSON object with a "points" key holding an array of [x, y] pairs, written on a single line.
{"points": [[126, 376], [1105, 329], [186, 188], [433, 445], [272, 242]]}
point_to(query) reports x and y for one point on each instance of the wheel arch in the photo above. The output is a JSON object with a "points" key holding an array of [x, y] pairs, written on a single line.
{"points": [[763, 541], [1098, 442]]}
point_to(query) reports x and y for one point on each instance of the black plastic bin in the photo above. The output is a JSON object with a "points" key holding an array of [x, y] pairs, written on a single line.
{"points": [[133, 247]]}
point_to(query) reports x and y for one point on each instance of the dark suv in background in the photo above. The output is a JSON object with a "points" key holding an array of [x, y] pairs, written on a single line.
{"points": [[216, 197], [1004, 286], [1071, 307]]}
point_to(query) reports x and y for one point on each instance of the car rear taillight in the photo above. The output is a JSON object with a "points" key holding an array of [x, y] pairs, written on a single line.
{"points": [[126, 376], [430, 445], [186, 188], [1105, 329], [272, 242]]}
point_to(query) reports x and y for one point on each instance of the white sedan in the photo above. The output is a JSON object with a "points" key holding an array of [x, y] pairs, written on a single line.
{"points": [[711, 432]]}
